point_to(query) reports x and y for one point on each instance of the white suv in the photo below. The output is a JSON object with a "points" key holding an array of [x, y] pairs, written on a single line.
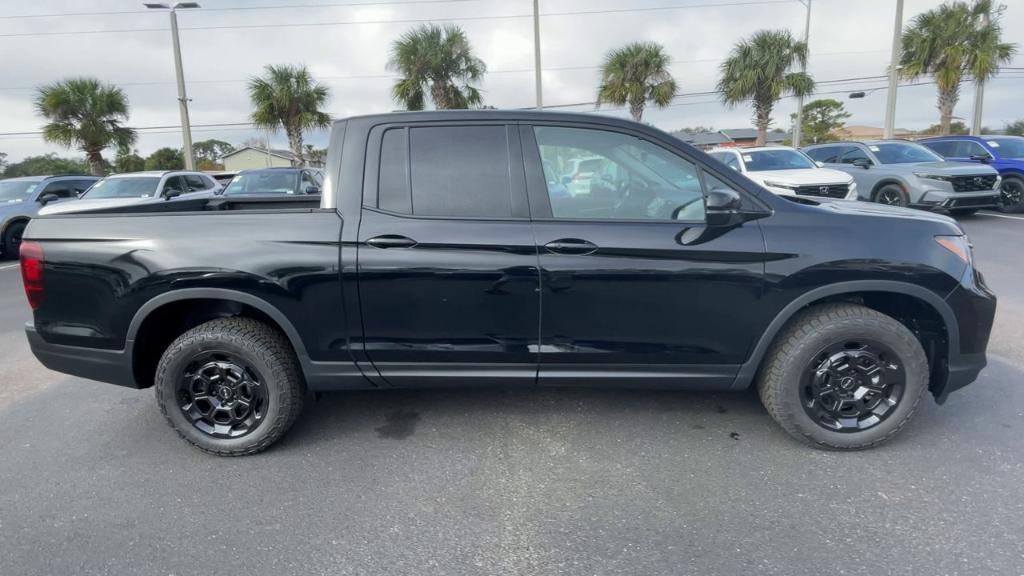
{"points": [[788, 172]]}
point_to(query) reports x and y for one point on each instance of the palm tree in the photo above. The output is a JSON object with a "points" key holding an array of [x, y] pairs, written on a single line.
{"points": [[288, 97], [637, 74], [760, 69], [952, 41], [85, 113], [437, 60]]}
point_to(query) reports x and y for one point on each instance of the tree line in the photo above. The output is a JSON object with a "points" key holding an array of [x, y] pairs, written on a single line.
{"points": [[437, 66]]}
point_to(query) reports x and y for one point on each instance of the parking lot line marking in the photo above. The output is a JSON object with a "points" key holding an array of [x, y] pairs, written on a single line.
{"points": [[1000, 216], [6, 266]]}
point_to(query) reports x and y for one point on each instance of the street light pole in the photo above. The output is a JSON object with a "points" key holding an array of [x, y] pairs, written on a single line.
{"points": [[979, 94], [894, 65], [797, 128], [536, 54], [186, 128]]}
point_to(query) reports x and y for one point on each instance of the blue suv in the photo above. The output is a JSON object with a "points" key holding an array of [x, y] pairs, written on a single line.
{"points": [[1004, 153]]}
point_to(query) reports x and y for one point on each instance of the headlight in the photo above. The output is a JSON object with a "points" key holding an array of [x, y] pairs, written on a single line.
{"points": [[933, 176], [852, 194], [771, 184]]}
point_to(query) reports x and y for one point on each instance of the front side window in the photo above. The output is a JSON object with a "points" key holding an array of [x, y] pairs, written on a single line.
{"points": [[968, 148], [853, 154], [173, 184], [781, 159], [903, 153], [128, 187], [452, 171], [16, 190], [608, 175], [947, 149], [1009, 146], [61, 189]]}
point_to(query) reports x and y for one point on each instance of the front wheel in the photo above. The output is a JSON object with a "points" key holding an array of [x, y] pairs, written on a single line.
{"points": [[891, 195], [12, 239], [230, 387], [843, 376], [1011, 197]]}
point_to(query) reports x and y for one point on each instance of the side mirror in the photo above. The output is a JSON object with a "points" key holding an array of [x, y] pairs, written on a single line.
{"points": [[983, 158], [48, 197], [312, 190], [862, 163], [723, 207], [820, 164], [171, 193]]}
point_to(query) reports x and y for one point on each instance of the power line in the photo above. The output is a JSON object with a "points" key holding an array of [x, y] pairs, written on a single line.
{"points": [[242, 8], [400, 21]]}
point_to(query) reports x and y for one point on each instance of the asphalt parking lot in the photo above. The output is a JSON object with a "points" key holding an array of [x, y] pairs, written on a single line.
{"points": [[92, 481]]}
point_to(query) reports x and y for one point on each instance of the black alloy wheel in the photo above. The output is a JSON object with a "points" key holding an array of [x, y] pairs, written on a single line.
{"points": [[890, 196], [1011, 197], [853, 385], [222, 395]]}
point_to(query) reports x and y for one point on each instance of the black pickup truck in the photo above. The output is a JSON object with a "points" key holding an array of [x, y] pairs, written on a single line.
{"points": [[463, 248]]}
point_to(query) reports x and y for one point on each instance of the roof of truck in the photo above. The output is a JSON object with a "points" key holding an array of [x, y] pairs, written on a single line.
{"points": [[504, 115]]}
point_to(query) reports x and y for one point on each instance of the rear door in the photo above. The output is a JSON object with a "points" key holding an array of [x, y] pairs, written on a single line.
{"points": [[635, 287], [447, 266]]}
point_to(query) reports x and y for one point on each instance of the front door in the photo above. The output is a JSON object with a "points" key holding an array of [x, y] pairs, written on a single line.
{"points": [[448, 278], [635, 288]]}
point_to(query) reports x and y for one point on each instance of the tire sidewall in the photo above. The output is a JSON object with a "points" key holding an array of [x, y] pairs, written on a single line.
{"points": [[1014, 208], [904, 201], [9, 250], [910, 355], [172, 368]]}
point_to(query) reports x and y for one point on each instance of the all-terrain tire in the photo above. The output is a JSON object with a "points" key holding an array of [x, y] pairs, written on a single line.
{"points": [[257, 344], [780, 380]]}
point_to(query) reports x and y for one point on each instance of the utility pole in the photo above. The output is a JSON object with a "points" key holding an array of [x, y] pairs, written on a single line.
{"points": [[186, 128], [536, 54], [979, 93], [797, 128], [894, 67]]}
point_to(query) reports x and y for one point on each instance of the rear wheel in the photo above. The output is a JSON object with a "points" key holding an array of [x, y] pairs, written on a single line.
{"points": [[1011, 197], [230, 387], [12, 239], [843, 376], [891, 195]]}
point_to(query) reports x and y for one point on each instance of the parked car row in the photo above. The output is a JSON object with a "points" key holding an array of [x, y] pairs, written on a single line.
{"points": [[23, 198], [959, 174]]}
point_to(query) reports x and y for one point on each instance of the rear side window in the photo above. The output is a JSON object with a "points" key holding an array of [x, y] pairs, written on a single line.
{"points": [[454, 171], [827, 154], [195, 183]]}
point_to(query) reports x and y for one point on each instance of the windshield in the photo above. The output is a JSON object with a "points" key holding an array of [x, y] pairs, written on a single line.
{"points": [[767, 160], [263, 183], [134, 187], [16, 190], [903, 153], [1010, 147]]}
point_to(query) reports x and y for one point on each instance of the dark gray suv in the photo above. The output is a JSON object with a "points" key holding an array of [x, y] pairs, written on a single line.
{"points": [[21, 199], [902, 173]]}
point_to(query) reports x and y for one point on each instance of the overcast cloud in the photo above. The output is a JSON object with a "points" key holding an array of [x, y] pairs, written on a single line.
{"points": [[848, 39]]}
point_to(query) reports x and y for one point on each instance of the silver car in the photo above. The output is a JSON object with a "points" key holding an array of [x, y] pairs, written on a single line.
{"points": [[901, 173], [22, 198], [148, 191]]}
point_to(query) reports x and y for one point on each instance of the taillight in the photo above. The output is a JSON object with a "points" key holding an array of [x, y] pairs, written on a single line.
{"points": [[32, 273]]}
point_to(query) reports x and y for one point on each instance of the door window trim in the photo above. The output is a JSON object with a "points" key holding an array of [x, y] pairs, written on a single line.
{"points": [[536, 183], [371, 173]]}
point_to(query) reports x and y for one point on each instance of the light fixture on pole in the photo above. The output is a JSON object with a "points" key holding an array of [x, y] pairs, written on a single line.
{"points": [[186, 129], [797, 127]]}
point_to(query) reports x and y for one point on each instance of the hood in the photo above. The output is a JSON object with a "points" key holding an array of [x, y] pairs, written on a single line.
{"points": [[951, 168], [854, 207], [802, 177], [87, 205]]}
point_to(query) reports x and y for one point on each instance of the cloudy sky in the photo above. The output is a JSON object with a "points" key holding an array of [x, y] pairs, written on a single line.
{"points": [[346, 47]]}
